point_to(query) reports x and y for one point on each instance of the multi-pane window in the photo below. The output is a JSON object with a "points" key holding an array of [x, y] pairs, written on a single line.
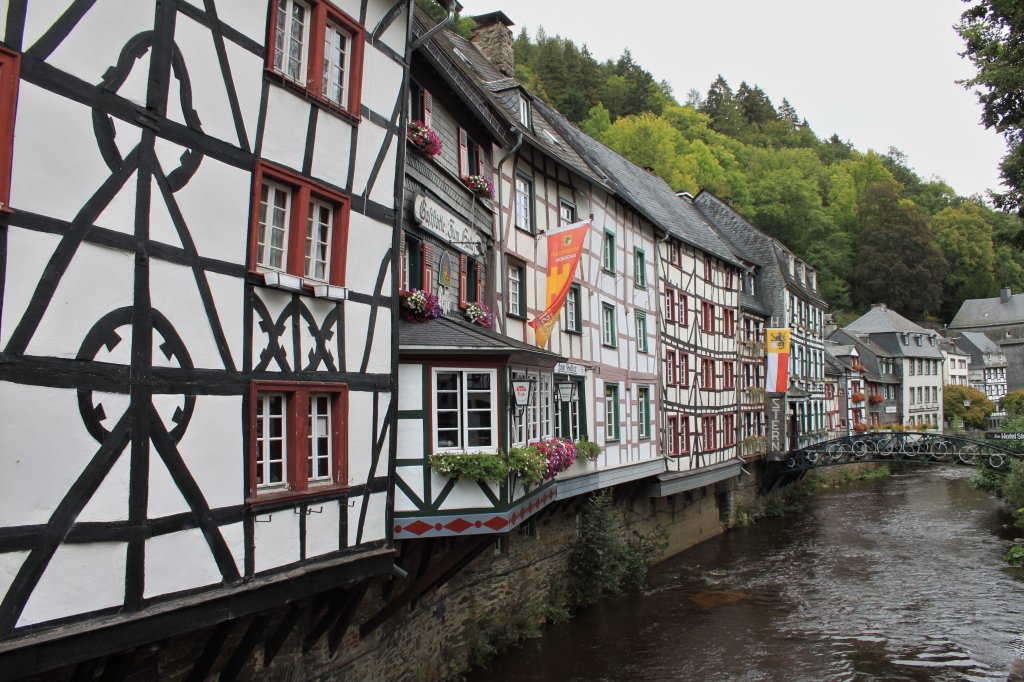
{"points": [[299, 227], [573, 309], [318, 461], [608, 335], [271, 440], [643, 407], [318, 49], [684, 369], [707, 373], [471, 161], [566, 213], [639, 268], [524, 203], [465, 410], [571, 422], [708, 318], [728, 375], [525, 114], [608, 252], [728, 429], [641, 332], [611, 412], [516, 290], [298, 440], [671, 367], [678, 434], [709, 430], [728, 321], [670, 304]]}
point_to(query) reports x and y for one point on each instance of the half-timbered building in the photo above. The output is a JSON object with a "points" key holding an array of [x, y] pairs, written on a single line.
{"points": [[197, 251], [792, 293]]}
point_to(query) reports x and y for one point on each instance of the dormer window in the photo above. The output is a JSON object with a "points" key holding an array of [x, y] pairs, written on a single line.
{"points": [[917, 339], [906, 339], [525, 113]]}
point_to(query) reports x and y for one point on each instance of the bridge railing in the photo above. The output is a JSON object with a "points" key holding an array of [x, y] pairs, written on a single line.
{"points": [[924, 448]]}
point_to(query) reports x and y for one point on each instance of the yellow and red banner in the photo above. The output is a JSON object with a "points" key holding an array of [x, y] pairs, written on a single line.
{"points": [[777, 349], [565, 246]]}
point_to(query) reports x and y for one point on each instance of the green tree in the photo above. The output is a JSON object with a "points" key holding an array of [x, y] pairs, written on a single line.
{"points": [[597, 121], [965, 239], [975, 414], [721, 106], [993, 34], [896, 259], [1013, 403]]}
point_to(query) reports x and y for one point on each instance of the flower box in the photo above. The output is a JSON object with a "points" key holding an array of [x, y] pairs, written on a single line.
{"points": [[419, 306], [857, 397], [423, 139], [479, 314], [480, 186]]}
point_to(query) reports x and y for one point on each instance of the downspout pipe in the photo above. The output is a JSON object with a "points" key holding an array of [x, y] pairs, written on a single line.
{"points": [[448, 5], [661, 276], [500, 250]]}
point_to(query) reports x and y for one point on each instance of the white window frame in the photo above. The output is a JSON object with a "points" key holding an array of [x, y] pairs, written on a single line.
{"points": [[612, 427], [333, 30], [643, 411], [608, 252], [266, 229], [515, 292], [524, 198], [462, 409], [316, 436], [639, 268], [525, 114], [263, 437], [285, 32], [318, 251], [573, 309], [537, 420], [640, 320], [608, 332]]}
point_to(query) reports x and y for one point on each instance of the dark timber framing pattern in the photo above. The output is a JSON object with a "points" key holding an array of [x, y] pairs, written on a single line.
{"points": [[28, 649]]}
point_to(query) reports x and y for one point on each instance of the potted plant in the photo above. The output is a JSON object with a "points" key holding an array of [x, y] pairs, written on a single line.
{"points": [[480, 186], [480, 314], [588, 449], [423, 139], [419, 306]]}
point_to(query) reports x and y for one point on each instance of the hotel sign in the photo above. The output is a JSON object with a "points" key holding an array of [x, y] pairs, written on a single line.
{"points": [[436, 219], [775, 407], [570, 368]]}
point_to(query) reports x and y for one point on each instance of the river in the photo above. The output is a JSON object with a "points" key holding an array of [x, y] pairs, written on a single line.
{"points": [[894, 579]]}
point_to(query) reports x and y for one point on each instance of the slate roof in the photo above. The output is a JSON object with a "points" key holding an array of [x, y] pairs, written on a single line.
{"points": [[988, 312], [503, 93], [881, 319], [981, 342], [444, 334], [645, 191], [756, 247]]}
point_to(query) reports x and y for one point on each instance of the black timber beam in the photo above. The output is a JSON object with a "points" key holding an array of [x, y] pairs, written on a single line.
{"points": [[33, 654]]}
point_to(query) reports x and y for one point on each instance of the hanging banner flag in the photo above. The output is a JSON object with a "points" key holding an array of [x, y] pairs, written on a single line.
{"points": [[777, 348], [565, 245]]}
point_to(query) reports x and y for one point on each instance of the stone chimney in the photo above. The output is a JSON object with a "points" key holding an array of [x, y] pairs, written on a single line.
{"points": [[1004, 295], [493, 38]]}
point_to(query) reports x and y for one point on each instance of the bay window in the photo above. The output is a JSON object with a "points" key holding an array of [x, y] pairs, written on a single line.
{"points": [[465, 410]]}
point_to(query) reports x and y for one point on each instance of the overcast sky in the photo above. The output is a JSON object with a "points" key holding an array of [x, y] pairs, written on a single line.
{"points": [[879, 73]]}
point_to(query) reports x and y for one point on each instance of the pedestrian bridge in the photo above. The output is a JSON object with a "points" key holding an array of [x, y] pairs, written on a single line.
{"points": [[921, 448]]}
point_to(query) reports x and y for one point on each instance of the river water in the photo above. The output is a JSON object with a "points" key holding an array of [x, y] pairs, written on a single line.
{"points": [[894, 579]]}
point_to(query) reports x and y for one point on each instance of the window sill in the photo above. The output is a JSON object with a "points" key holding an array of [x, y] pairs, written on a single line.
{"points": [[574, 332], [530, 231], [280, 499], [609, 345], [294, 283], [516, 316], [606, 271]]}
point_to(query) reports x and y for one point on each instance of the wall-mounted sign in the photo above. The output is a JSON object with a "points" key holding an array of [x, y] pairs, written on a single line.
{"points": [[570, 368], [435, 218], [999, 435], [444, 269], [890, 409], [775, 406]]}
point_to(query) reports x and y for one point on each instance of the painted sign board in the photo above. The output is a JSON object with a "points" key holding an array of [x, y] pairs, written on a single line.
{"points": [[999, 435], [775, 409], [436, 219], [570, 368]]}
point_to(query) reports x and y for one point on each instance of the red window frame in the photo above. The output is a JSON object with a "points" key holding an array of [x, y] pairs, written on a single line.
{"points": [[728, 430], [684, 369], [10, 75], [320, 12], [296, 447], [674, 254], [670, 304], [728, 322], [682, 444], [709, 427], [709, 270], [728, 375], [707, 373], [302, 191], [464, 141], [683, 315], [707, 318]]}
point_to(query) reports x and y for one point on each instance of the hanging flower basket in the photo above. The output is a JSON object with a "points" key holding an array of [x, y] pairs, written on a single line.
{"points": [[560, 454], [874, 399], [419, 306], [423, 139], [478, 313], [480, 186], [857, 397]]}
